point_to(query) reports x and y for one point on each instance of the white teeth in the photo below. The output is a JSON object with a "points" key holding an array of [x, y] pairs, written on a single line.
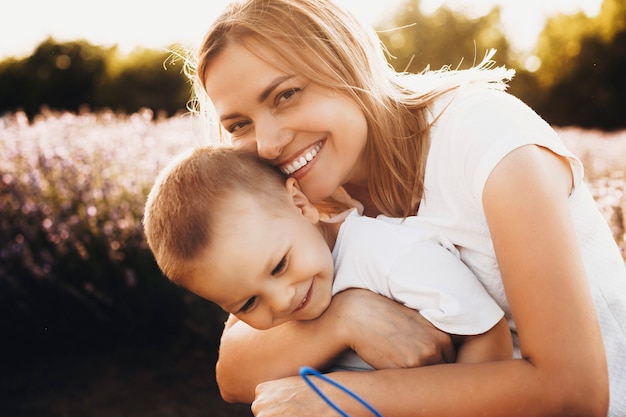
{"points": [[301, 161]]}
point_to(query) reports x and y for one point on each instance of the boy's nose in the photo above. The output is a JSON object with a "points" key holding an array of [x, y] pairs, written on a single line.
{"points": [[282, 299]]}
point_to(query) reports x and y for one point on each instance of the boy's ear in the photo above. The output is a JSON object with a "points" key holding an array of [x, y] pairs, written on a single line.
{"points": [[301, 201]]}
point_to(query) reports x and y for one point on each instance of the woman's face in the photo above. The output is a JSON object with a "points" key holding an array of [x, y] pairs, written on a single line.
{"points": [[312, 133]]}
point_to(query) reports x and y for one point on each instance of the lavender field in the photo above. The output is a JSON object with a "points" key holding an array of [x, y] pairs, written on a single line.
{"points": [[72, 253], [88, 325], [604, 157], [102, 165]]}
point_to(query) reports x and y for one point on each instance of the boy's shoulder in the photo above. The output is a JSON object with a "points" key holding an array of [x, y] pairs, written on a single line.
{"points": [[391, 235], [369, 233]]}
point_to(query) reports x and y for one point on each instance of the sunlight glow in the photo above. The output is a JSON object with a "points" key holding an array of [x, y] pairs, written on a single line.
{"points": [[522, 21], [130, 24]]}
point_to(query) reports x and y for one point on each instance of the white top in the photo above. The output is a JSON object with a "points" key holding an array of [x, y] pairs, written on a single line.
{"points": [[416, 267], [478, 128]]}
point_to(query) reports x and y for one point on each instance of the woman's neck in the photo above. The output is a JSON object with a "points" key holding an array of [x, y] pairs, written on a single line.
{"points": [[329, 231], [361, 193]]}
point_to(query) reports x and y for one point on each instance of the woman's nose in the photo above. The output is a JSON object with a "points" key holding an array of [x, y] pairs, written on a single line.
{"points": [[271, 140], [269, 151]]}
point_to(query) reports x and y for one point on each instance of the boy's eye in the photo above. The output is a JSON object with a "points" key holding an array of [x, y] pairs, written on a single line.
{"points": [[281, 265], [248, 305]]}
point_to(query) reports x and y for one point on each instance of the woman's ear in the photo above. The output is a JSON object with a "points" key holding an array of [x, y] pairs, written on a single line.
{"points": [[301, 201]]}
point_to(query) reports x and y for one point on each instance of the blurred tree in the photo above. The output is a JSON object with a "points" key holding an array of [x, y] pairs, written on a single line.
{"points": [[561, 42], [416, 40], [583, 60], [146, 78], [67, 76], [59, 75], [12, 85], [578, 79]]}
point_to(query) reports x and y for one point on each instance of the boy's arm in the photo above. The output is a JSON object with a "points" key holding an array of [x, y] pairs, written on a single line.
{"points": [[493, 345]]}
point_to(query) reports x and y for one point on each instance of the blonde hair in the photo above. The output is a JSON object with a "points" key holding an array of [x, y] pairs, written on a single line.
{"points": [[189, 195], [324, 43]]}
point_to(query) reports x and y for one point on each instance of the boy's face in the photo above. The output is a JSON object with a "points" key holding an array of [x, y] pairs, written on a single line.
{"points": [[265, 266]]}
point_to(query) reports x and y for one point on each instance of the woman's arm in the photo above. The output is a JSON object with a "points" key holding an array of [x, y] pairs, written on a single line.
{"points": [[248, 356], [384, 333], [563, 371], [495, 344]]}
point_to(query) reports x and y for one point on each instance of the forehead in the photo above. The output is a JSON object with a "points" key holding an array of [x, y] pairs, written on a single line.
{"points": [[247, 219], [249, 66], [245, 215], [245, 241]]}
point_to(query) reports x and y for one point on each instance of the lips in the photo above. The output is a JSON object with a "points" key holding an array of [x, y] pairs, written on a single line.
{"points": [[305, 300], [302, 160]]}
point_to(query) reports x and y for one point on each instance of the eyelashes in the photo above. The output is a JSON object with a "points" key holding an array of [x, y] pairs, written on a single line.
{"points": [[248, 305], [280, 267], [239, 128]]}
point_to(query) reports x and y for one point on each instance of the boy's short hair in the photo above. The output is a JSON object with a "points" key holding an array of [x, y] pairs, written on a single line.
{"points": [[187, 196]]}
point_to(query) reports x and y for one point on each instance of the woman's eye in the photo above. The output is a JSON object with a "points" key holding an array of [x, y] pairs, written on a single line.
{"points": [[236, 128], [286, 95], [281, 265], [248, 305]]}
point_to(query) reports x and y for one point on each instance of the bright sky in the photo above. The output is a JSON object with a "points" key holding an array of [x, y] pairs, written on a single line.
{"points": [[155, 24]]}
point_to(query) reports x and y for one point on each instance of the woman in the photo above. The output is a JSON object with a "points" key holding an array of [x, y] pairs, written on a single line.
{"points": [[307, 87]]}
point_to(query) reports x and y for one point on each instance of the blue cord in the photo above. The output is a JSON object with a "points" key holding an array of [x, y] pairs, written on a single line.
{"points": [[305, 371]]}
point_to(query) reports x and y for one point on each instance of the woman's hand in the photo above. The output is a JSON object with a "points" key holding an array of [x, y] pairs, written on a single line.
{"points": [[292, 396], [386, 334], [289, 397]]}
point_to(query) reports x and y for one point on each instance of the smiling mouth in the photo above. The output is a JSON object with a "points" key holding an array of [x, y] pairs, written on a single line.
{"points": [[302, 160], [305, 299]]}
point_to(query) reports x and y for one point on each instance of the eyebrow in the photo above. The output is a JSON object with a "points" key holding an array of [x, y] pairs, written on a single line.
{"points": [[272, 86], [264, 94]]}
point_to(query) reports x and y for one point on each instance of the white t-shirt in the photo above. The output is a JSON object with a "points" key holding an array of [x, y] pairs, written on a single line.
{"points": [[416, 267], [478, 128]]}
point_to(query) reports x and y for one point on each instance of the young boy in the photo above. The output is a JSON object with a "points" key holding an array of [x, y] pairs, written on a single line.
{"points": [[231, 229]]}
